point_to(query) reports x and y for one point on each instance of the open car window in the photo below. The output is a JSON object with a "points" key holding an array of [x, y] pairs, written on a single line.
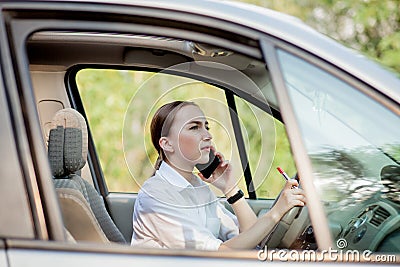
{"points": [[122, 137]]}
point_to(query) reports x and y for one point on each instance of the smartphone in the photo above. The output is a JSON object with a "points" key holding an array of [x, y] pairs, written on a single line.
{"points": [[208, 168]]}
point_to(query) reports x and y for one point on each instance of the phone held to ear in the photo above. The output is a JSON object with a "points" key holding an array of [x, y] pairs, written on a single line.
{"points": [[208, 168]]}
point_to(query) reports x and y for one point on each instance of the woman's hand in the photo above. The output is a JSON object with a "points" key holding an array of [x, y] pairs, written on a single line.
{"points": [[290, 197], [222, 177]]}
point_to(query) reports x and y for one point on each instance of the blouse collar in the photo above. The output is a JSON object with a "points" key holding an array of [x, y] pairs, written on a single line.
{"points": [[175, 178]]}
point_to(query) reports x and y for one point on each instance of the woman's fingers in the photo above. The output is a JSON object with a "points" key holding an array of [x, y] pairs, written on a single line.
{"points": [[221, 177], [294, 196], [224, 163], [299, 203], [220, 156], [292, 183], [298, 197], [202, 177], [301, 198], [297, 191]]}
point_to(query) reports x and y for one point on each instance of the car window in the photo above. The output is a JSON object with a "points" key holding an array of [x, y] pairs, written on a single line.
{"points": [[105, 95], [354, 144], [120, 103], [267, 148]]}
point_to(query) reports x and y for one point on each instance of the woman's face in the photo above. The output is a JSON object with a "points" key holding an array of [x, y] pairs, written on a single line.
{"points": [[189, 137]]}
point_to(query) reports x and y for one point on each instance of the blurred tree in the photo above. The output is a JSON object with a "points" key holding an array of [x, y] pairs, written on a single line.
{"points": [[369, 26]]}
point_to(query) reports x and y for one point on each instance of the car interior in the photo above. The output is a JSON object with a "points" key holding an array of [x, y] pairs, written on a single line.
{"points": [[55, 58], [85, 215]]}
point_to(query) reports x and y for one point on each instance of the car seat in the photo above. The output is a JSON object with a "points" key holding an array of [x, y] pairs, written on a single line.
{"points": [[84, 213]]}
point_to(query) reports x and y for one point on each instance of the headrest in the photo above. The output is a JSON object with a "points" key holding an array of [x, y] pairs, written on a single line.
{"points": [[68, 142]]}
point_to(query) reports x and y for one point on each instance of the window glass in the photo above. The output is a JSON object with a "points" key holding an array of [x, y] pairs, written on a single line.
{"points": [[120, 104], [353, 143], [267, 148], [105, 95]]}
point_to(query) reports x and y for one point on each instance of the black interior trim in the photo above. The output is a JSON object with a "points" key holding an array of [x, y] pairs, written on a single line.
{"points": [[230, 98], [93, 159]]}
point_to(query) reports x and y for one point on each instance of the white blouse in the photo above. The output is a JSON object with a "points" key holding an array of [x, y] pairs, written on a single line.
{"points": [[170, 212]]}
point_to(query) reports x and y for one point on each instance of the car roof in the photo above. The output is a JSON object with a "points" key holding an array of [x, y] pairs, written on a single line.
{"points": [[279, 25]]}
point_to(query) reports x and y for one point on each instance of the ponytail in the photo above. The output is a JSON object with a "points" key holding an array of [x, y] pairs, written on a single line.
{"points": [[157, 164]]}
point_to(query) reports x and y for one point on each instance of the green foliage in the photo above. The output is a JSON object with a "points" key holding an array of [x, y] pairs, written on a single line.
{"points": [[267, 147], [370, 26], [105, 112]]}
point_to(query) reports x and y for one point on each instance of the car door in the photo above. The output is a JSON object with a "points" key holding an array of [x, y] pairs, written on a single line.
{"points": [[45, 242], [121, 203], [16, 219], [31, 223], [43, 73], [23, 214], [3, 257]]}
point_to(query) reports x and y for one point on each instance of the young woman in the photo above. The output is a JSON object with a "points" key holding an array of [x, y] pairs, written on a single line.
{"points": [[176, 209]]}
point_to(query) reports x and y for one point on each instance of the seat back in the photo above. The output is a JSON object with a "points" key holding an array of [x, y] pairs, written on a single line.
{"points": [[83, 209]]}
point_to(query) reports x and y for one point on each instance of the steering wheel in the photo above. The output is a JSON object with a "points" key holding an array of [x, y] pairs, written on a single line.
{"points": [[275, 236]]}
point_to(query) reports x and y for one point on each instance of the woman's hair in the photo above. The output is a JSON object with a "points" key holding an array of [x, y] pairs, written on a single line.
{"points": [[161, 123]]}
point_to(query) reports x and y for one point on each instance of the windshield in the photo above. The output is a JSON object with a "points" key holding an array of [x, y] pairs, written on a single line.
{"points": [[353, 143]]}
